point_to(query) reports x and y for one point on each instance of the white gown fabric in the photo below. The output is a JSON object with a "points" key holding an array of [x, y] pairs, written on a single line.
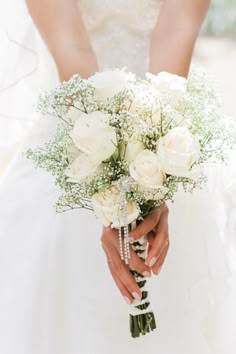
{"points": [[56, 293]]}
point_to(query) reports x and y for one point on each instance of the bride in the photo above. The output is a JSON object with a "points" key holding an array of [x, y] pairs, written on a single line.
{"points": [[57, 295]]}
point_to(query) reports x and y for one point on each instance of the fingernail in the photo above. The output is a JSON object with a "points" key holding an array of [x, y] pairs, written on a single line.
{"points": [[136, 296], [153, 261], [127, 300], [146, 274], [158, 271], [131, 239]]}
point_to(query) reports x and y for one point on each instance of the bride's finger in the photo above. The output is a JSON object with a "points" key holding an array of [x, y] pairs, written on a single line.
{"points": [[123, 273], [138, 265], [161, 238], [123, 290], [160, 242], [157, 266], [145, 226], [151, 237]]}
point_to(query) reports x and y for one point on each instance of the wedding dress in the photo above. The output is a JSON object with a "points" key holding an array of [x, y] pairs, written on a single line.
{"points": [[56, 293]]}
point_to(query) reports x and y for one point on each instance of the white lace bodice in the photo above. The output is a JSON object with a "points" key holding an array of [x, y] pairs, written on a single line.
{"points": [[120, 35], [120, 31]]}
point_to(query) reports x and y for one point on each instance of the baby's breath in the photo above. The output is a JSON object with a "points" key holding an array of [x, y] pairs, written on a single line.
{"points": [[138, 113]]}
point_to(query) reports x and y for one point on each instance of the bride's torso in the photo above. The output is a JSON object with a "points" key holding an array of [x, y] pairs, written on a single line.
{"points": [[120, 31]]}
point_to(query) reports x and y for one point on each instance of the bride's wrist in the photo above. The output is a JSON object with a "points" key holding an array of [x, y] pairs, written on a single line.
{"points": [[82, 62]]}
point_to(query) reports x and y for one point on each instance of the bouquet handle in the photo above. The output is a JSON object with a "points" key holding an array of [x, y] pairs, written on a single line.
{"points": [[142, 319]]}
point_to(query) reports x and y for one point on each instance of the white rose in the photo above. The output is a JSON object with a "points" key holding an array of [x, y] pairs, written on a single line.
{"points": [[168, 82], [93, 135], [133, 148], [110, 82], [82, 167], [73, 113], [146, 170], [106, 207], [72, 152], [174, 85], [177, 152]]}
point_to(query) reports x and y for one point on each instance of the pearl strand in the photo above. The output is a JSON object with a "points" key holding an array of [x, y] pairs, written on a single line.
{"points": [[124, 185], [121, 244]]}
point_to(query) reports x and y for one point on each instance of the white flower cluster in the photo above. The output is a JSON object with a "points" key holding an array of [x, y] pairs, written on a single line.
{"points": [[157, 131]]}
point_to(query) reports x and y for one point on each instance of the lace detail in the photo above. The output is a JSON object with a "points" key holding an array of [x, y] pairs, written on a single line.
{"points": [[121, 27]]}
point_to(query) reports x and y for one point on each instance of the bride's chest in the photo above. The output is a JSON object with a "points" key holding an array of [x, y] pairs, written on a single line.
{"points": [[136, 14]]}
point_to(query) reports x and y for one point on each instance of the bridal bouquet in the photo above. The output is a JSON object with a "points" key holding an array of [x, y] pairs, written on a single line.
{"points": [[125, 145]]}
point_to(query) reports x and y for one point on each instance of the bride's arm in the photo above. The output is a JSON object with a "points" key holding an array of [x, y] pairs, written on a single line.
{"points": [[175, 34], [62, 29]]}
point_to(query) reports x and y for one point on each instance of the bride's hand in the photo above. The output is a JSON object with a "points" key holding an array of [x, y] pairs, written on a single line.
{"points": [[119, 270], [156, 227]]}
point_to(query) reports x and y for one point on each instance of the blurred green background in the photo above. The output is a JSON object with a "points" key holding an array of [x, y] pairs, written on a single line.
{"points": [[221, 18]]}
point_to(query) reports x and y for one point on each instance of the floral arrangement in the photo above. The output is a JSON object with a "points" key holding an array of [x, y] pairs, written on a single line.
{"points": [[125, 145]]}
